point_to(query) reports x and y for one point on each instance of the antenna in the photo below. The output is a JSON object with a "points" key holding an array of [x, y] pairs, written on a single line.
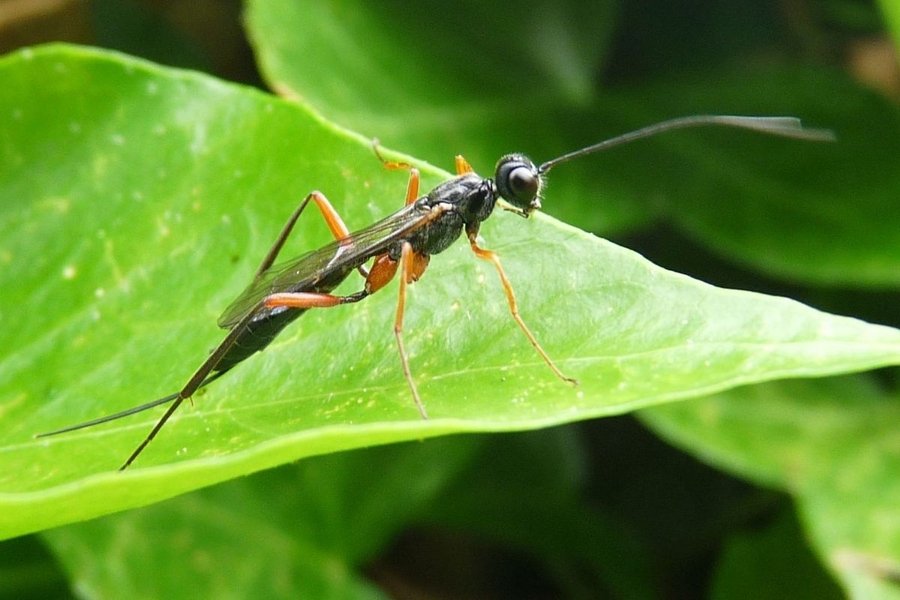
{"points": [[783, 126]]}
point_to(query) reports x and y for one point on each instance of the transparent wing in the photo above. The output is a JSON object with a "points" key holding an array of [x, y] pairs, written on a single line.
{"points": [[324, 269]]}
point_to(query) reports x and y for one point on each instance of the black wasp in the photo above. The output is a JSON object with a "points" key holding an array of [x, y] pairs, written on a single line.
{"points": [[404, 242]]}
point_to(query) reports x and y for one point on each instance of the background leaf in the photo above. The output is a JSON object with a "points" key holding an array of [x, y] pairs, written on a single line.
{"points": [[310, 527], [760, 203], [764, 563], [831, 442]]}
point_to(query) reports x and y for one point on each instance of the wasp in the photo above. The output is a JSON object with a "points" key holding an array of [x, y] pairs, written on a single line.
{"points": [[402, 242]]}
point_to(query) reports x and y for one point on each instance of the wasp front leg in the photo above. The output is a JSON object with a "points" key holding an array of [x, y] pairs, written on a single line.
{"points": [[513, 305]]}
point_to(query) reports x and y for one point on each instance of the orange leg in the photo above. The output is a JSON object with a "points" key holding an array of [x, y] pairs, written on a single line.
{"points": [[463, 166], [383, 270], [332, 219], [513, 305], [413, 266], [393, 165], [381, 273], [412, 188], [309, 300]]}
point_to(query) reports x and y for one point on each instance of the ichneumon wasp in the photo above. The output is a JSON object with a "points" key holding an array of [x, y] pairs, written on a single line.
{"points": [[404, 242]]}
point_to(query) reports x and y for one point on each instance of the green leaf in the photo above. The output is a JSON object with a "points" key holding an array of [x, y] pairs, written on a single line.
{"points": [[528, 491], [303, 531], [136, 203], [830, 442], [823, 214], [27, 570], [520, 82], [771, 562], [312, 529], [891, 13]]}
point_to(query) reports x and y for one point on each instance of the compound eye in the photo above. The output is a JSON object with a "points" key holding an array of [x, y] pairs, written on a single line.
{"points": [[523, 184]]}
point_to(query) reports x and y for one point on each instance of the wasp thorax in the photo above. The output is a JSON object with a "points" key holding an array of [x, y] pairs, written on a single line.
{"points": [[518, 182]]}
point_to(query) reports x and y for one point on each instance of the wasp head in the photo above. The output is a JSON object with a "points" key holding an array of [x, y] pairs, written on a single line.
{"points": [[519, 183]]}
